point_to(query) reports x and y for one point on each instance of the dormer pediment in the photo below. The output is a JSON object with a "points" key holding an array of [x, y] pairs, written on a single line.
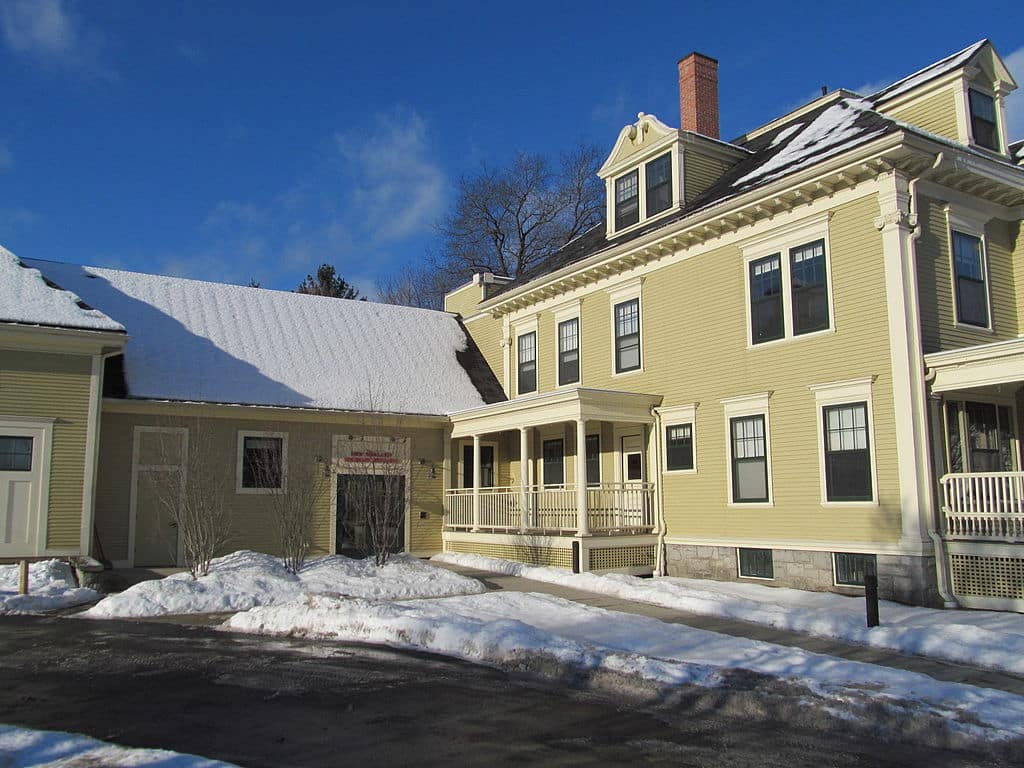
{"points": [[647, 136]]}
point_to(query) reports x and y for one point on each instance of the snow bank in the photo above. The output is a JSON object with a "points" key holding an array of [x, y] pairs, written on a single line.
{"points": [[22, 747], [242, 580], [51, 585], [981, 638], [26, 298], [512, 629]]}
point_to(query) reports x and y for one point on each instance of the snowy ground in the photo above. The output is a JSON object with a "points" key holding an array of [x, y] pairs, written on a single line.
{"points": [[51, 585], [242, 580], [981, 638], [532, 631], [22, 747]]}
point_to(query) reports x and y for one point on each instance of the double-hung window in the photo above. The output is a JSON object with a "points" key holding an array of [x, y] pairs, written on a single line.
{"points": [[749, 450], [678, 447], [569, 351], [810, 291], [969, 274], [554, 462], [847, 452], [658, 178], [627, 200], [526, 356], [627, 336], [766, 318], [593, 459], [983, 120]]}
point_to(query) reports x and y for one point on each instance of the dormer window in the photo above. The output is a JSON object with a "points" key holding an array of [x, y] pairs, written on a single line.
{"points": [[983, 120], [658, 174], [627, 200]]}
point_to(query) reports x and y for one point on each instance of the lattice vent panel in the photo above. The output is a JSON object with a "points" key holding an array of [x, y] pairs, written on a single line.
{"points": [[610, 558], [983, 576], [547, 556]]}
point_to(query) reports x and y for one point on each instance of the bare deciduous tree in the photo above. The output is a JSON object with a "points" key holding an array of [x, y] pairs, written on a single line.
{"points": [[504, 221], [376, 492], [192, 492], [293, 495]]}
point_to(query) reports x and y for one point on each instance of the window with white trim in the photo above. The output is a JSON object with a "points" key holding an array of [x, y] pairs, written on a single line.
{"points": [[846, 442], [851, 567], [569, 351], [262, 462], [678, 447], [984, 129], [644, 192], [658, 177], [526, 363], [627, 336], [969, 274], [755, 563], [749, 453], [766, 318], [627, 200]]}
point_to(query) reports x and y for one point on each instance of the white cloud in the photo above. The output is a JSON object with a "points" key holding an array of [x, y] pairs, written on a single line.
{"points": [[49, 32], [1015, 101], [398, 189]]}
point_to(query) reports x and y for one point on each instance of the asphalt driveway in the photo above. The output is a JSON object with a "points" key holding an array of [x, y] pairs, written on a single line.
{"points": [[259, 701]]}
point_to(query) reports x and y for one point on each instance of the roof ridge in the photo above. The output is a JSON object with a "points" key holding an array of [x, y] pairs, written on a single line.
{"points": [[966, 52]]}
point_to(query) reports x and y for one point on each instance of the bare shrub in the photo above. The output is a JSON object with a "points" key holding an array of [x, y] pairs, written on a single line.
{"points": [[293, 495]]}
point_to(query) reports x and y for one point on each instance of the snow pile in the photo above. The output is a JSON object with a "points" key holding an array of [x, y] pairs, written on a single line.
{"points": [[51, 585], [930, 72], [981, 638], [514, 630], [830, 133], [26, 298], [202, 341], [22, 747], [242, 580]]}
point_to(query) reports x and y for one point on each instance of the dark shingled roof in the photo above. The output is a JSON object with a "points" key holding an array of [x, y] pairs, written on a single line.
{"points": [[473, 362], [796, 144]]}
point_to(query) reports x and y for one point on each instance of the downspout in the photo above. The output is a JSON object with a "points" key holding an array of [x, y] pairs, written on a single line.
{"points": [[661, 566], [943, 581]]}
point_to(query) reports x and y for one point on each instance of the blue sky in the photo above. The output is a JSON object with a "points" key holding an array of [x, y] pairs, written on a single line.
{"points": [[232, 140]]}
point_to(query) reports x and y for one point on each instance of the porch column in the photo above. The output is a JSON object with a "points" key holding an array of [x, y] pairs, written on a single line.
{"points": [[476, 482], [524, 477], [582, 528]]}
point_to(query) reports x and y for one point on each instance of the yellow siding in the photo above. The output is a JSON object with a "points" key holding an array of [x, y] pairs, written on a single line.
{"points": [[699, 172], [57, 386], [694, 349], [252, 521], [487, 333], [935, 114], [939, 329], [462, 300]]}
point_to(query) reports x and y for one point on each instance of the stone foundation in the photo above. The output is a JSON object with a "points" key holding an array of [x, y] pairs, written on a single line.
{"points": [[902, 578]]}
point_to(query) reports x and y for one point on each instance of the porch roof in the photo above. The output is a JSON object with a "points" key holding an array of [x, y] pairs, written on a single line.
{"points": [[535, 410], [999, 362]]}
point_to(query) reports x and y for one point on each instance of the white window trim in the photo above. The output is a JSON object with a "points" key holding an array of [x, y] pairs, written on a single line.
{"points": [[570, 311], [461, 462], [641, 169], [675, 416], [244, 433], [748, 405], [522, 328], [845, 393], [966, 87], [780, 241], [964, 397], [619, 294], [739, 569], [968, 221]]}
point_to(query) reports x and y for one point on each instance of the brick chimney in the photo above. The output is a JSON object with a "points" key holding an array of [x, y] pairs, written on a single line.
{"points": [[698, 94]]}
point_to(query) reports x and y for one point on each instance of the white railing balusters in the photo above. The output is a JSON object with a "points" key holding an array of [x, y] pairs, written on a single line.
{"points": [[983, 506]]}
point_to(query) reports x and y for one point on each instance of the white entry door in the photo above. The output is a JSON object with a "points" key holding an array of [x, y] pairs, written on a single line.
{"points": [[23, 477], [632, 474]]}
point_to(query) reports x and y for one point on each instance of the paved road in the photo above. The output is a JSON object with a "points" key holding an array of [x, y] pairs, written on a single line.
{"points": [[260, 701]]}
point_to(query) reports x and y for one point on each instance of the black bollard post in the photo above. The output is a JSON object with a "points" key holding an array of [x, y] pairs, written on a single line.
{"points": [[871, 598]]}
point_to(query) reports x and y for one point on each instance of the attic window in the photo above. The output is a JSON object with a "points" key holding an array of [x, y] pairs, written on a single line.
{"points": [[658, 175], [983, 120], [627, 200]]}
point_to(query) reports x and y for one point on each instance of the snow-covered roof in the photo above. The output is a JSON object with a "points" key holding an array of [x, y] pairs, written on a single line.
{"points": [[27, 298], [211, 342], [930, 72]]}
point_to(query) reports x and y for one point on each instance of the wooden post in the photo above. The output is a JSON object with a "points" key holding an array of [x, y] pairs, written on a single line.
{"points": [[582, 522], [476, 482], [23, 577], [871, 598], [524, 478]]}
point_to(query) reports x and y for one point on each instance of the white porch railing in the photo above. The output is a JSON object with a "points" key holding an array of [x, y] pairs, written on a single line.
{"points": [[983, 506], [610, 507]]}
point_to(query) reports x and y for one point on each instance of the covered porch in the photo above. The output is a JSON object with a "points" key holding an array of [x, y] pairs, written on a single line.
{"points": [[975, 425], [552, 477]]}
